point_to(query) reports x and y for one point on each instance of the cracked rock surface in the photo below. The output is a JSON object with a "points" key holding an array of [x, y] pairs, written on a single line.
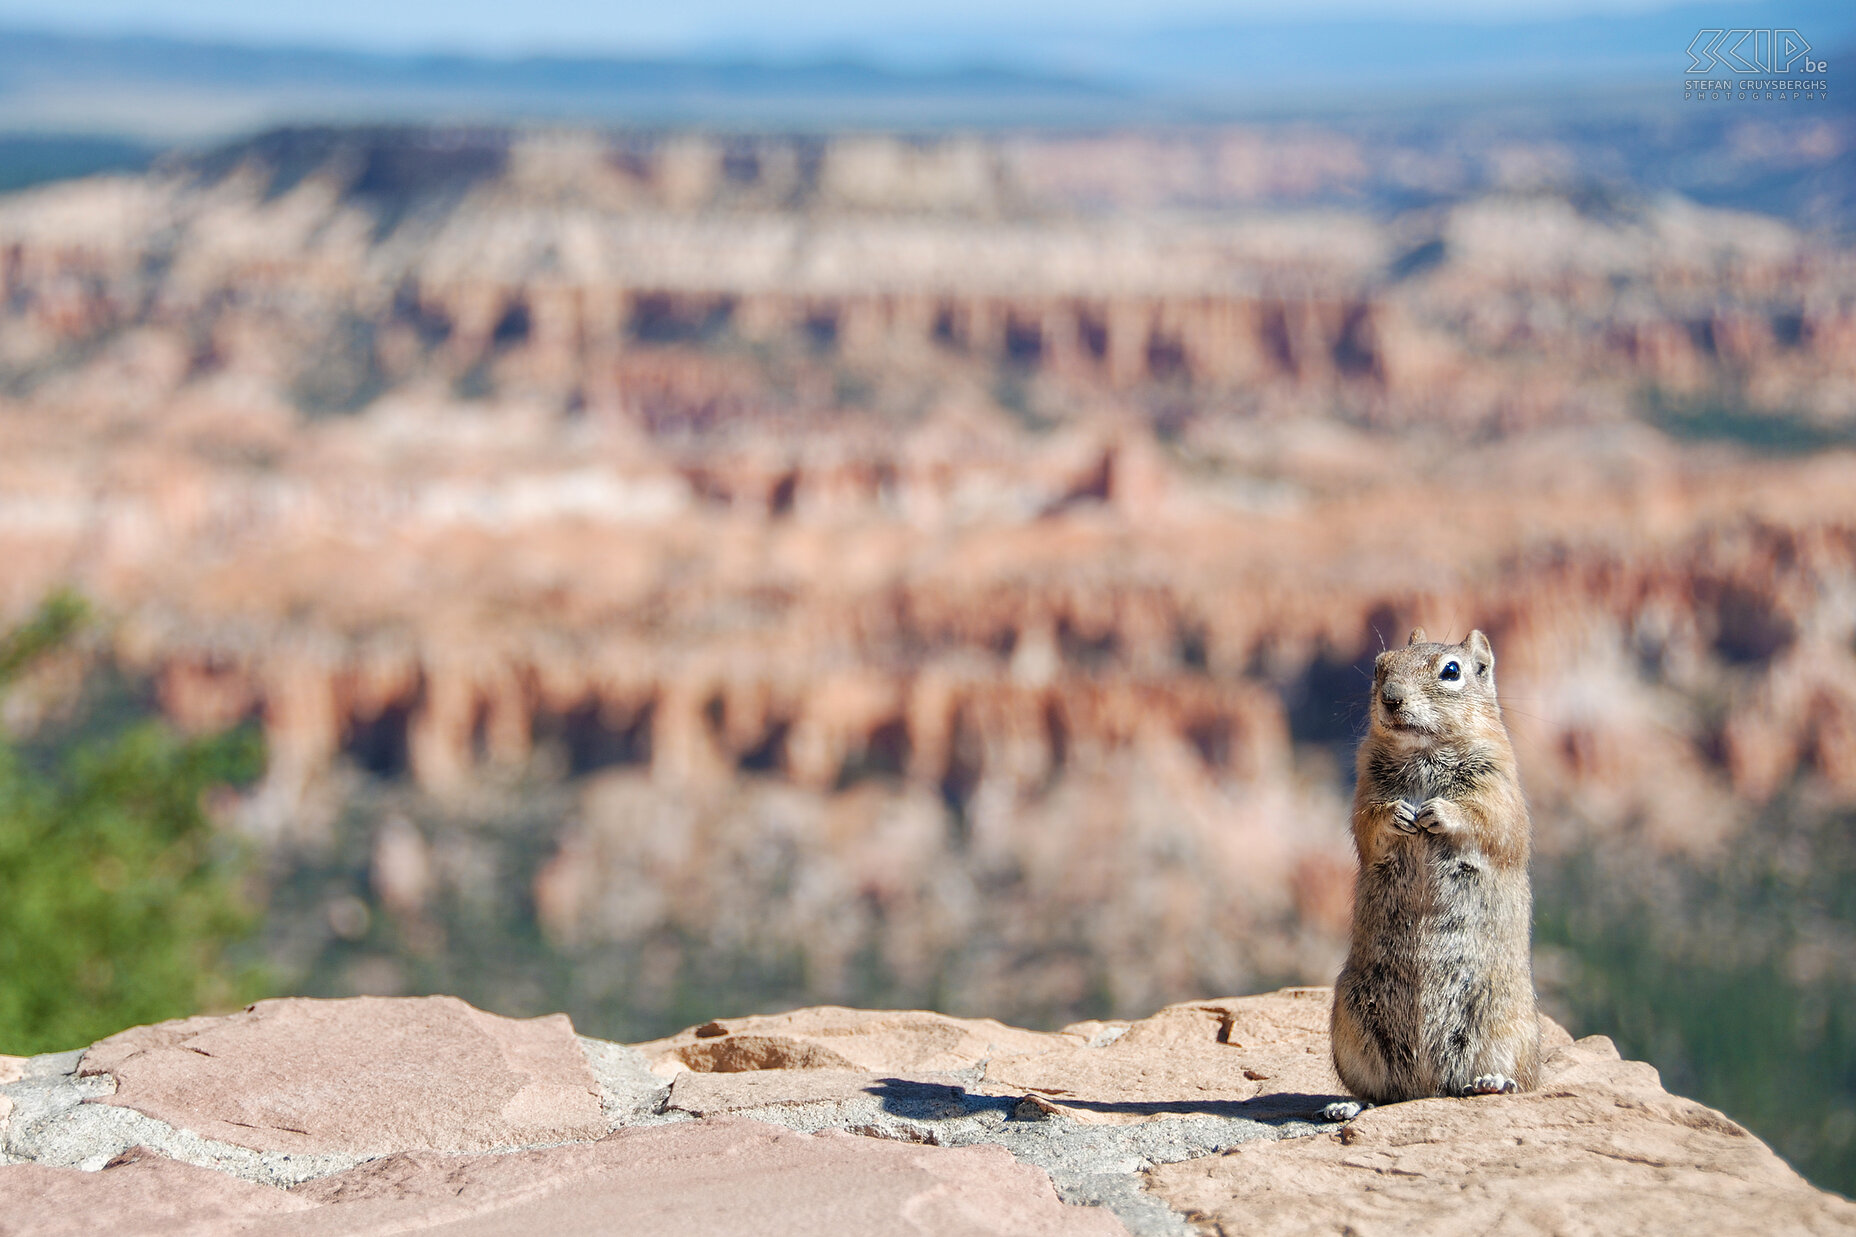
{"points": [[374, 1115], [358, 1077]]}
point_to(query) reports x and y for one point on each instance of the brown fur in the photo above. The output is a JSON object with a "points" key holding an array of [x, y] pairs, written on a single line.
{"points": [[1437, 994]]}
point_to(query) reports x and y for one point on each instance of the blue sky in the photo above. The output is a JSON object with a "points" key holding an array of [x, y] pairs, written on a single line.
{"points": [[1193, 52], [793, 27], [895, 63]]}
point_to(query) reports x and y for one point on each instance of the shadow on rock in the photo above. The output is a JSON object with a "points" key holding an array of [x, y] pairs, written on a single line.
{"points": [[924, 1101]]}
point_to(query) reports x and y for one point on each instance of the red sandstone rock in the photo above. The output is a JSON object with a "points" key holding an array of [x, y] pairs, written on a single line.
{"points": [[722, 1176], [833, 1038], [742, 1091], [1599, 1148], [361, 1075], [1203, 1056], [141, 1194]]}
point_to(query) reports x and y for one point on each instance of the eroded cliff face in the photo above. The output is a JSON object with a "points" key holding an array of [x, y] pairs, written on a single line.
{"points": [[892, 564]]}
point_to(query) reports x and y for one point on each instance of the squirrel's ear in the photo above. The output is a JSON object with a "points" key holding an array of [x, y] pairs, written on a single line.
{"points": [[1481, 654], [1417, 636]]}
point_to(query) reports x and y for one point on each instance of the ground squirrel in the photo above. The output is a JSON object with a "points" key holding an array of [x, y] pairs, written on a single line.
{"points": [[1437, 995]]}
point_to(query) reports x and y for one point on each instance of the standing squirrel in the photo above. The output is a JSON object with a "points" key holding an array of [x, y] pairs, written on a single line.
{"points": [[1437, 995]]}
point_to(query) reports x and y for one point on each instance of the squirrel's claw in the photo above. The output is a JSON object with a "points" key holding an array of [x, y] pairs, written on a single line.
{"points": [[1492, 1084], [1405, 816], [1438, 816]]}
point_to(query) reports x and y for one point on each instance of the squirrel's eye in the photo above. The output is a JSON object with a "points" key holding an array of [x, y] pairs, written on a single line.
{"points": [[1451, 672]]}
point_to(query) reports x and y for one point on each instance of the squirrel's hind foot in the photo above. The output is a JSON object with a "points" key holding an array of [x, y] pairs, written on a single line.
{"points": [[1492, 1084], [1344, 1110]]}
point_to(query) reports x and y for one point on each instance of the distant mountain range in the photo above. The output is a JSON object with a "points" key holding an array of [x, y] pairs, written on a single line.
{"points": [[1598, 97], [164, 89]]}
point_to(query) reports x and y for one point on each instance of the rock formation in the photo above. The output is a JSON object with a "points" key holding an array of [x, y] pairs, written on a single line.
{"points": [[908, 561], [408, 1115]]}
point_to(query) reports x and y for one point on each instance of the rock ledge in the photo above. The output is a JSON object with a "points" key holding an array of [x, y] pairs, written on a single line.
{"points": [[384, 1116]]}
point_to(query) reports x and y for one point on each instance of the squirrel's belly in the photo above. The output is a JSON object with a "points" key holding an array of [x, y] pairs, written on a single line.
{"points": [[1421, 990], [1425, 935]]}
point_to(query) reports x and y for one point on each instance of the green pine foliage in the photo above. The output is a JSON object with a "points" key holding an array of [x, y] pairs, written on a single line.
{"points": [[1733, 974], [120, 902]]}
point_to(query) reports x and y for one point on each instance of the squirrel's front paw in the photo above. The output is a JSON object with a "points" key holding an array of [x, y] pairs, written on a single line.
{"points": [[1404, 815], [1437, 816]]}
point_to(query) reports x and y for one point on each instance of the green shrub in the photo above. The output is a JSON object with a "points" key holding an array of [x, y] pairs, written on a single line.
{"points": [[119, 901]]}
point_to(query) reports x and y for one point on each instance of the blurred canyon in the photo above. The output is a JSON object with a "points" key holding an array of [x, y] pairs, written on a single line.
{"points": [[684, 573]]}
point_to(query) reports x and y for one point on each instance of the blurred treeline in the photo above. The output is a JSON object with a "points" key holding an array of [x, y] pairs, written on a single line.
{"points": [[120, 903], [1735, 975]]}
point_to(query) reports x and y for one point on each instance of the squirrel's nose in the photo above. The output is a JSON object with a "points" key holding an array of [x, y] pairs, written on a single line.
{"points": [[1392, 696]]}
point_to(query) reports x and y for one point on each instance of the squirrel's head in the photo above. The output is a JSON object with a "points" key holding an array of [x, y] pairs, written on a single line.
{"points": [[1428, 691]]}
